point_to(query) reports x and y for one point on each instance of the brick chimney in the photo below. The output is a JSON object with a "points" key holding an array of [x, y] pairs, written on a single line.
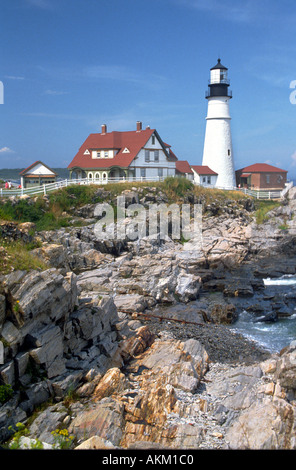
{"points": [[139, 126], [104, 129]]}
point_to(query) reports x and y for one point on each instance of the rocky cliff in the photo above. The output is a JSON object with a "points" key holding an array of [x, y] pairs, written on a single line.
{"points": [[136, 331]]}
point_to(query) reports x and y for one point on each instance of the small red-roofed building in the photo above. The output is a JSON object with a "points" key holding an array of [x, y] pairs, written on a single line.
{"points": [[184, 169], [37, 174], [204, 176], [139, 154], [261, 176]]}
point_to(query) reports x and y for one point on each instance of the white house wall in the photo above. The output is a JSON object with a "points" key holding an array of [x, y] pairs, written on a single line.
{"points": [[198, 179], [152, 166], [40, 169], [94, 154]]}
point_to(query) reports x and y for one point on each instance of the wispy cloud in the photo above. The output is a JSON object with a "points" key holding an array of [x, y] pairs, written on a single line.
{"points": [[273, 68], [14, 77], [293, 158], [240, 11], [55, 92], [104, 72], [56, 115], [6, 150], [246, 11], [42, 4]]}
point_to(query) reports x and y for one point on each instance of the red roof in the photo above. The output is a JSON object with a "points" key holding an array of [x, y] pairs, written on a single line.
{"points": [[182, 166], [262, 168], [134, 141], [203, 170]]}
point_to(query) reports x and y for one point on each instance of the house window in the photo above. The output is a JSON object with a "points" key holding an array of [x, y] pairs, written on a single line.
{"points": [[90, 175], [147, 156], [160, 171], [143, 172], [279, 178], [204, 179], [153, 139], [268, 179], [156, 155], [209, 180], [97, 176]]}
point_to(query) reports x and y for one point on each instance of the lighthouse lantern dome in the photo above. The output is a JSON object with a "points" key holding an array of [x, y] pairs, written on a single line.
{"points": [[218, 83], [219, 73]]}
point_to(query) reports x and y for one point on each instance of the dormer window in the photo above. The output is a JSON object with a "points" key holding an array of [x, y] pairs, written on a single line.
{"points": [[98, 154], [106, 154], [87, 152]]}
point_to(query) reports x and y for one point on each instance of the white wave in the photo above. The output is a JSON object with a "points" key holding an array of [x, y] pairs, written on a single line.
{"points": [[287, 280]]}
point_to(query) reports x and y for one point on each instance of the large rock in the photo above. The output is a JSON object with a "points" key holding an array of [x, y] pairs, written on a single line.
{"points": [[286, 370], [104, 419], [42, 297], [264, 426]]}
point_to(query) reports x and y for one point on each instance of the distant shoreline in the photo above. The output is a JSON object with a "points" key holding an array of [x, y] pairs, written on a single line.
{"points": [[7, 174]]}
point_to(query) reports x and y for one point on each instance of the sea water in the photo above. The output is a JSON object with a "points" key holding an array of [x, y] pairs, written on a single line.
{"points": [[276, 335]]}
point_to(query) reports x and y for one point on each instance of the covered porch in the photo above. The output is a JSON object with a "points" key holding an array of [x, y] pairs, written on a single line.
{"points": [[102, 175]]}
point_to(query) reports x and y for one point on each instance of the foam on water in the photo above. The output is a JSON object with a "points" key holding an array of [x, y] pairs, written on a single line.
{"points": [[286, 280], [272, 335]]}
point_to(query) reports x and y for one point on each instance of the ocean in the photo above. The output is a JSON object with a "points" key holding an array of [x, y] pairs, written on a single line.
{"points": [[274, 336]]}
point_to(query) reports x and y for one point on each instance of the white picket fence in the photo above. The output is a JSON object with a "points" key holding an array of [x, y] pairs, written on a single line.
{"points": [[280, 194], [47, 188]]}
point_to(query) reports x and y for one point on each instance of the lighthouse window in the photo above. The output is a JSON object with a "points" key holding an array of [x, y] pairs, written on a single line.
{"points": [[228, 152]]}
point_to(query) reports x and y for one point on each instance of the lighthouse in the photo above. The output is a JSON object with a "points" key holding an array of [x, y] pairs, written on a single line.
{"points": [[217, 153]]}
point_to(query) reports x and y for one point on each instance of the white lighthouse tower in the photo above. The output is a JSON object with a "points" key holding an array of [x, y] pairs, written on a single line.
{"points": [[217, 153]]}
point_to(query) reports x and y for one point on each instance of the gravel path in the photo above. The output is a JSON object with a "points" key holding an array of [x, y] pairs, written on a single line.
{"points": [[222, 344]]}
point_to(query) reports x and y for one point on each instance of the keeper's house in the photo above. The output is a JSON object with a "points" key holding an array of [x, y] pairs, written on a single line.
{"points": [[136, 154], [37, 174], [261, 176]]}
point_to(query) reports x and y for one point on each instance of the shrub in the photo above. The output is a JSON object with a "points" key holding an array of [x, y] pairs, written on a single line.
{"points": [[17, 255], [178, 186], [62, 439], [6, 393], [262, 209]]}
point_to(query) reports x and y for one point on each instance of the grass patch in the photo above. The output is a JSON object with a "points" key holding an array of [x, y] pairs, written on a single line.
{"points": [[177, 187], [45, 217], [262, 209], [16, 255], [55, 212], [72, 196], [209, 195]]}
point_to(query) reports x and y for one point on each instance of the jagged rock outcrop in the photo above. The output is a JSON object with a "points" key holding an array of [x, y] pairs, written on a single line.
{"points": [[49, 340], [76, 327], [168, 395]]}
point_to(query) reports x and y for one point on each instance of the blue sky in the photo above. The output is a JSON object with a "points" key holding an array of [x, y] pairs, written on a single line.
{"points": [[68, 66]]}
